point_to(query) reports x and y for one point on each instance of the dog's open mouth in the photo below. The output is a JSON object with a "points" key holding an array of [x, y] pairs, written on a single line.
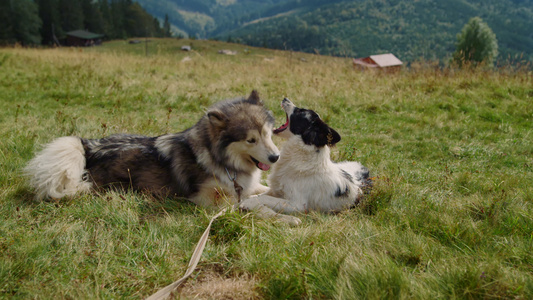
{"points": [[282, 127], [260, 165]]}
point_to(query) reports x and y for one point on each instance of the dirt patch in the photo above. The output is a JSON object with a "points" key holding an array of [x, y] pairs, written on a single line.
{"points": [[211, 285]]}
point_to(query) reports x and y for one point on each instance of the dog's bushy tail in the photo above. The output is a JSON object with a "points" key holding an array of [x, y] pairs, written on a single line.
{"points": [[57, 171]]}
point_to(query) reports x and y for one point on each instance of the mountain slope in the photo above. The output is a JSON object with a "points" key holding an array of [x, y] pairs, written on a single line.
{"points": [[203, 18], [424, 29]]}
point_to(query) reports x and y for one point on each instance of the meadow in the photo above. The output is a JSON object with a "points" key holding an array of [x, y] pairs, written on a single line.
{"points": [[450, 215]]}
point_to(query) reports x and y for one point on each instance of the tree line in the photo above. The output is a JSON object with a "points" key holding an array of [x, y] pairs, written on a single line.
{"points": [[46, 22]]}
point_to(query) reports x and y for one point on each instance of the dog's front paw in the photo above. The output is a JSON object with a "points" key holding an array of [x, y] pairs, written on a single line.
{"points": [[293, 221], [260, 189]]}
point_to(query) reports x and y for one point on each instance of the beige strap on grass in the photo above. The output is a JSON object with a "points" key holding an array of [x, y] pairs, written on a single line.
{"points": [[196, 255]]}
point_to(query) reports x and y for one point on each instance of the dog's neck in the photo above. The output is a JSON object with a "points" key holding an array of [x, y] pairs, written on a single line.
{"points": [[301, 157]]}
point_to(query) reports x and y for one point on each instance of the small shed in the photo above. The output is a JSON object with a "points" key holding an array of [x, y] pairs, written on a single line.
{"points": [[382, 61], [83, 38]]}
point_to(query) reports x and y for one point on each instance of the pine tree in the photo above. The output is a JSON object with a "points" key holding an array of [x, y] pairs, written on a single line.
{"points": [[136, 23], [105, 10], [166, 27], [71, 15], [139, 23], [19, 22], [117, 12], [51, 28], [93, 19], [476, 44], [157, 29], [6, 28]]}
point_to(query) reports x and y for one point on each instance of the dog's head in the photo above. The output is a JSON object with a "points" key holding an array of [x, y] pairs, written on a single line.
{"points": [[306, 124], [242, 132]]}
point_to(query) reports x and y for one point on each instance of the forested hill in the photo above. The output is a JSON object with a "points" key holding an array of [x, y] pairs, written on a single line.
{"points": [[411, 29], [33, 22]]}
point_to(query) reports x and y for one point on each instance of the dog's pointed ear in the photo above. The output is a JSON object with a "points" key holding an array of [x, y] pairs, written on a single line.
{"points": [[254, 98], [320, 135], [333, 136], [217, 118]]}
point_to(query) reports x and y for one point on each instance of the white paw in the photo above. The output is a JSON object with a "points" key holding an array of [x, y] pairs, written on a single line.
{"points": [[261, 189], [293, 221]]}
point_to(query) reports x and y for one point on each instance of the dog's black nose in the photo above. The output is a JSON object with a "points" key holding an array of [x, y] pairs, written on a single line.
{"points": [[273, 158]]}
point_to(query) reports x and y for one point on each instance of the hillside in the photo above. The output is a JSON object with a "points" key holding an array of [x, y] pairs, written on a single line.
{"points": [[450, 215], [204, 18], [424, 29]]}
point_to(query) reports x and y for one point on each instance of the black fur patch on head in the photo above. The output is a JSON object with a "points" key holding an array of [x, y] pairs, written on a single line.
{"points": [[312, 129]]}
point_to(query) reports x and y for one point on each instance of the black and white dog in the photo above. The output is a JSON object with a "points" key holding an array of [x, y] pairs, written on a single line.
{"points": [[305, 179]]}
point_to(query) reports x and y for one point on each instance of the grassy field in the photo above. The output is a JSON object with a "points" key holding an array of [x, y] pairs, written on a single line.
{"points": [[451, 214]]}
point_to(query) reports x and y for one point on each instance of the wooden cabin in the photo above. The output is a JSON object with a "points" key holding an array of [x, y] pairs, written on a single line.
{"points": [[83, 38], [387, 62]]}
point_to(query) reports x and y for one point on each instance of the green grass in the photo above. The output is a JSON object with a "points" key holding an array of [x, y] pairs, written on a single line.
{"points": [[450, 216]]}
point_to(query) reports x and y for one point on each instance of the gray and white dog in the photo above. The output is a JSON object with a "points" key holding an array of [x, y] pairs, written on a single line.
{"points": [[305, 179], [228, 147]]}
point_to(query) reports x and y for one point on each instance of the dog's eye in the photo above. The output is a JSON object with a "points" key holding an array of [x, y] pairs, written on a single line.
{"points": [[251, 141]]}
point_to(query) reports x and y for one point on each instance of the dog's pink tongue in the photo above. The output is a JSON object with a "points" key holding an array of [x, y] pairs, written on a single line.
{"points": [[263, 166]]}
